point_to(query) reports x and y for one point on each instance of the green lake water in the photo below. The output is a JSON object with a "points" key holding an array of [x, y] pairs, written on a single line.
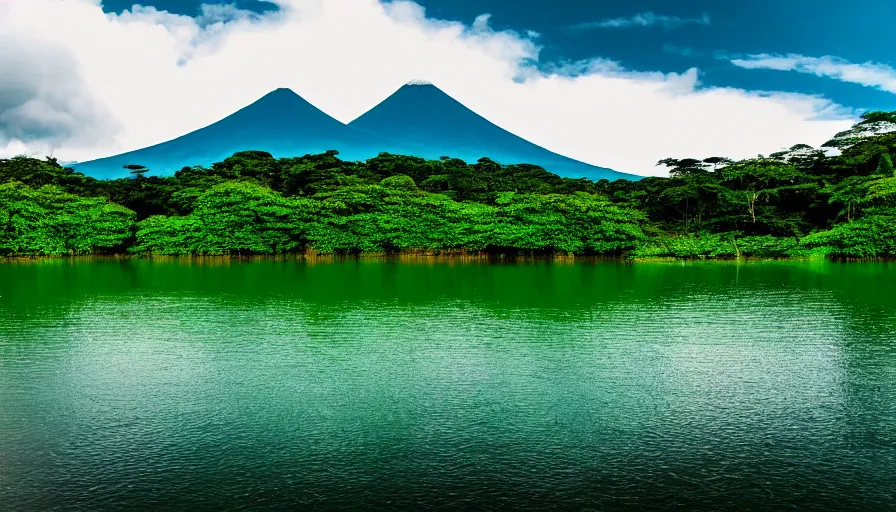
{"points": [[227, 385]]}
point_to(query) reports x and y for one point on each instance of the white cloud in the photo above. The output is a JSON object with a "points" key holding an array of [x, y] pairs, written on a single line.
{"points": [[210, 14], [162, 75], [869, 74], [645, 19], [43, 95]]}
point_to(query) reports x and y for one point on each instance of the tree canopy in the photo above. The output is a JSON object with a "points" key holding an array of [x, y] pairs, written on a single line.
{"points": [[797, 201]]}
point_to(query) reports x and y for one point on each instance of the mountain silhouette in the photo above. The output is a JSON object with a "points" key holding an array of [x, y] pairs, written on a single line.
{"points": [[281, 123], [422, 120], [418, 119]]}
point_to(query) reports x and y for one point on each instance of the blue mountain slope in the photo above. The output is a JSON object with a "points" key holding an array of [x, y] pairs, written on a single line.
{"points": [[281, 122], [422, 120], [418, 120]]}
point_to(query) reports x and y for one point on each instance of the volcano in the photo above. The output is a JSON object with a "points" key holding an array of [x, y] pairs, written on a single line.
{"points": [[281, 123], [418, 120], [422, 120]]}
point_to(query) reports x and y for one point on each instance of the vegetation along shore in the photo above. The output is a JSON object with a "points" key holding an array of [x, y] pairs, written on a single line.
{"points": [[837, 202]]}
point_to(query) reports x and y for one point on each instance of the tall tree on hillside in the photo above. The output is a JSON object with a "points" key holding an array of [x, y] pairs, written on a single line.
{"points": [[681, 167], [137, 170], [754, 181], [716, 161]]}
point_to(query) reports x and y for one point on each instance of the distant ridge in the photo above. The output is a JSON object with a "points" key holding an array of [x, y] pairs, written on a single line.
{"points": [[418, 119]]}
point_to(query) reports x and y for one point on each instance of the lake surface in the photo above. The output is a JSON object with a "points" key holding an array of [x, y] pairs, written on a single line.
{"points": [[227, 385]]}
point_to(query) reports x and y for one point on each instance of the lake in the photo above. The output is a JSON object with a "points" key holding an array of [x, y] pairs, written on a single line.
{"points": [[215, 384]]}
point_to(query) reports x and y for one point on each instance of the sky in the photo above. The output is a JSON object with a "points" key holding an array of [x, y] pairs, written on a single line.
{"points": [[620, 84]]}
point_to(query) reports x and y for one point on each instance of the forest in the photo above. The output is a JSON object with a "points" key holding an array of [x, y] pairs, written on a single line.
{"points": [[837, 201]]}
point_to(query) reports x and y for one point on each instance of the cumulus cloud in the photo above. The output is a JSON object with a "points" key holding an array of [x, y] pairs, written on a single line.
{"points": [[869, 74], [159, 75], [44, 98], [645, 19], [211, 14]]}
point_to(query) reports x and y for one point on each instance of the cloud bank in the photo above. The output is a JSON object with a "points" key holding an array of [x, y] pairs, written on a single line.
{"points": [[44, 99], [90, 84], [645, 19], [869, 74]]}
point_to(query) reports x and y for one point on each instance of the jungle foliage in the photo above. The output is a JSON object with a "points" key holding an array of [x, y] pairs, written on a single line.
{"points": [[798, 202]]}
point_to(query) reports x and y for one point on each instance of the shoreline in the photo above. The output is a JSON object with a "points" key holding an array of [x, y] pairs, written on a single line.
{"points": [[420, 257]]}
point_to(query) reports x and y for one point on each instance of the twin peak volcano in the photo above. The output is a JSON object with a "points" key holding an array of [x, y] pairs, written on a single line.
{"points": [[419, 119]]}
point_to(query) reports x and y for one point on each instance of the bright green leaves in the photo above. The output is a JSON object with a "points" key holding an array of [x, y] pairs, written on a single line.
{"points": [[243, 218], [255, 203], [399, 218], [884, 165], [48, 221], [873, 235], [231, 218], [579, 223]]}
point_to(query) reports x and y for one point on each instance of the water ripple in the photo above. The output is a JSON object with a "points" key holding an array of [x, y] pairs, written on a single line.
{"points": [[589, 387]]}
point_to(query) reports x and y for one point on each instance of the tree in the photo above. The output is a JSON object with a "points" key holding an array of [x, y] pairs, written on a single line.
{"points": [[802, 156], [881, 192], [848, 193], [870, 236], [716, 161], [37, 173], [252, 202], [683, 166], [872, 124], [48, 221], [753, 181], [884, 165], [399, 181], [231, 218], [137, 170], [692, 196], [878, 116]]}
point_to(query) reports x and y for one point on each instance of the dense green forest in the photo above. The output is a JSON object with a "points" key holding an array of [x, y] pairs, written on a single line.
{"points": [[802, 202]]}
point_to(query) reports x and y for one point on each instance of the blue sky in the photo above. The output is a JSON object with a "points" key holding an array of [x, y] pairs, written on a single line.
{"points": [[678, 36], [619, 84]]}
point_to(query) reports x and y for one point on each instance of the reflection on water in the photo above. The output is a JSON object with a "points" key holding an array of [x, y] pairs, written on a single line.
{"points": [[342, 385]]}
